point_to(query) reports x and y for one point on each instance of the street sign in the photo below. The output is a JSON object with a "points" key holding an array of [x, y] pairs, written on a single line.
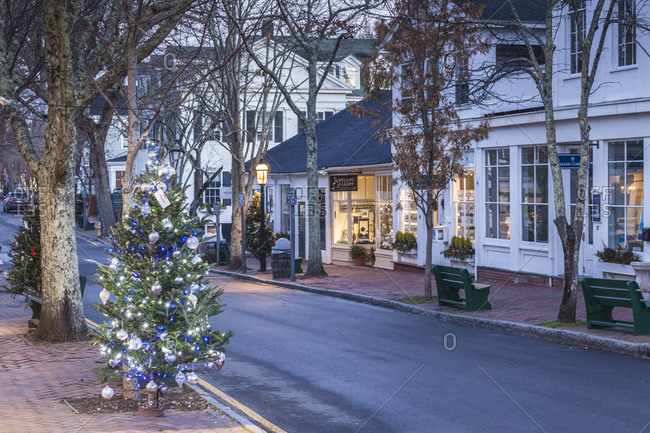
{"points": [[595, 207], [241, 199], [216, 207], [291, 197], [570, 161]]}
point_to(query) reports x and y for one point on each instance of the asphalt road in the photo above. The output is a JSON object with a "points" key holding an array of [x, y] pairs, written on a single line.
{"points": [[313, 364]]}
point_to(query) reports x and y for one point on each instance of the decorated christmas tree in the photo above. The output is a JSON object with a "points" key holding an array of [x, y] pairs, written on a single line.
{"points": [[158, 319], [24, 275], [253, 225]]}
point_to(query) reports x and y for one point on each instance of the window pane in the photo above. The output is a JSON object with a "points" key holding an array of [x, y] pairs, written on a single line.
{"points": [[635, 151], [340, 222], [491, 157], [528, 223], [491, 184], [528, 155], [634, 228], [617, 151], [491, 221], [504, 156], [617, 183], [542, 155], [541, 219], [504, 221], [616, 226], [504, 184], [527, 184], [634, 185], [542, 183]]}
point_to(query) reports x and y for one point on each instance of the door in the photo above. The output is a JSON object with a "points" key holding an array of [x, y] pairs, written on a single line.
{"points": [[301, 229]]}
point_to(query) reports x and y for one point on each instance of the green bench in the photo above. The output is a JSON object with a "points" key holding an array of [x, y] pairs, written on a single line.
{"points": [[450, 281], [602, 295]]}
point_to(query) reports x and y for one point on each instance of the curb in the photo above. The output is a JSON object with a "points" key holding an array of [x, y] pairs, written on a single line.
{"points": [[563, 336]]}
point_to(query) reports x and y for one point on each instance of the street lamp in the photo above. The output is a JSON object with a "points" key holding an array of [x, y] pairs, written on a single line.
{"points": [[262, 171]]}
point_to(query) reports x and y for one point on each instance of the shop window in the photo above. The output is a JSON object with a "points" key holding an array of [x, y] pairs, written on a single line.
{"points": [[464, 204], [384, 199], [534, 194], [340, 223], [497, 200], [625, 170], [363, 211], [409, 212], [269, 204]]}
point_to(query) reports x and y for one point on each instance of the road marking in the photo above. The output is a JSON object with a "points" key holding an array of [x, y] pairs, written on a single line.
{"points": [[228, 399], [89, 241], [250, 412]]}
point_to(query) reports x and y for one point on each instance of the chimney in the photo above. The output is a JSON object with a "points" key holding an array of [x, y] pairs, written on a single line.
{"points": [[381, 28], [267, 29]]}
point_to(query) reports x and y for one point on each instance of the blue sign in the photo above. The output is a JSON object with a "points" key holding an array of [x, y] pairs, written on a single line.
{"points": [[595, 207], [569, 160], [291, 197]]}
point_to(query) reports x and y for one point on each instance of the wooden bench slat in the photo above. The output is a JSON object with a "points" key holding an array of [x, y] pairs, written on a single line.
{"points": [[450, 281]]}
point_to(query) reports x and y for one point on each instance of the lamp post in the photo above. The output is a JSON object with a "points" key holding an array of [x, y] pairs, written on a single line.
{"points": [[262, 171]]}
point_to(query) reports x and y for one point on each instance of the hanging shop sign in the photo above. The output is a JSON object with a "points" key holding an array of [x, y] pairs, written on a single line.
{"points": [[570, 161], [346, 182]]}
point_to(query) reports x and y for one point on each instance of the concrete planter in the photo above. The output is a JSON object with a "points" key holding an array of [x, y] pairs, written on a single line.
{"points": [[465, 264], [616, 271]]}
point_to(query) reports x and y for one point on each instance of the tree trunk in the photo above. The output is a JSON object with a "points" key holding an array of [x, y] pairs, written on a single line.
{"points": [[236, 253], [571, 248], [428, 257], [315, 266], [131, 94]]}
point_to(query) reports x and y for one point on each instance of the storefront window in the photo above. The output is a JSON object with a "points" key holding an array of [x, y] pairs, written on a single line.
{"points": [[409, 212], [340, 223], [363, 211], [534, 194], [497, 193], [626, 194], [384, 199], [464, 199]]}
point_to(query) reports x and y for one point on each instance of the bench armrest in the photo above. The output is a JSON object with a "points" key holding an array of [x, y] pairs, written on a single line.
{"points": [[481, 286]]}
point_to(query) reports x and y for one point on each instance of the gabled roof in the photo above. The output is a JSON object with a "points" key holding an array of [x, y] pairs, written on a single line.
{"points": [[344, 140], [360, 48]]}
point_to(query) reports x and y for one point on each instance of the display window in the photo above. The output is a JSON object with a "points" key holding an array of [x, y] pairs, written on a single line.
{"points": [[625, 170], [464, 205]]}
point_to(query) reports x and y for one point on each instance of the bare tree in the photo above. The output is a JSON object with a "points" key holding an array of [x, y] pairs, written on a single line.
{"points": [[426, 58], [69, 57], [591, 26], [307, 26]]}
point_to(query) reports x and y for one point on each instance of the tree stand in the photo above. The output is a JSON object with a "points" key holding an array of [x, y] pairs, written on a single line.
{"points": [[154, 407]]}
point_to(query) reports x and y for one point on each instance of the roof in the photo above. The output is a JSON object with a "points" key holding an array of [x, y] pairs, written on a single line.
{"points": [[528, 10], [118, 159], [344, 140], [360, 48]]}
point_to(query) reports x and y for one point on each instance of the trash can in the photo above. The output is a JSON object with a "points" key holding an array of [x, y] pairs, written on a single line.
{"points": [[224, 254], [281, 259]]}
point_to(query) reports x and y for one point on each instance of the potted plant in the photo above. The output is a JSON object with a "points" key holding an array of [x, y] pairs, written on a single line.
{"points": [[358, 254], [615, 262], [404, 242], [459, 249]]}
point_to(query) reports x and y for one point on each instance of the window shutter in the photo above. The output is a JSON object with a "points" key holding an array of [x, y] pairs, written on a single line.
{"points": [[278, 133]]}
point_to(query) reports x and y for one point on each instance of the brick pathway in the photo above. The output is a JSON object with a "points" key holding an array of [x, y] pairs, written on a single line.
{"points": [[511, 301], [34, 378]]}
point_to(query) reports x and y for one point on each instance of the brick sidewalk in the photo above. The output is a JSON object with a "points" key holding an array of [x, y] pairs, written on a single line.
{"points": [[511, 301], [34, 378]]}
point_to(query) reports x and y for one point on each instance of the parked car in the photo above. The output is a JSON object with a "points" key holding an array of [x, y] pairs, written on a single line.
{"points": [[15, 201]]}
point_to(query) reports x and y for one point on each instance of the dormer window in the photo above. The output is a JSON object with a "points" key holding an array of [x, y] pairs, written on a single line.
{"points": [[626, 33]]}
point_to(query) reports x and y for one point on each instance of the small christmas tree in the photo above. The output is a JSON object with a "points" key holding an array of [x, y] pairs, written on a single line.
{"points": [[24, 275], [159, 321], [253, 225]]}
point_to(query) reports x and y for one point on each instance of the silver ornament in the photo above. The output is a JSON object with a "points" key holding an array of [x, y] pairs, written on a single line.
{"points": [[170, 171], [162, 186], [135, 343], [152, 154], [122, 334], [221, 358], [209, 365], [163, 336], [156, 288], [113, 362], [180, 379], [168, 226], [104, 295], [107, 392], [176, 254], [196, 260], [163, 389], [162, 171], [115, 262], [192, 300], [146, 209], [178, 280], [194, 287], [151, 386], [170, 358], [153, 237], [192, 242], [192, 378]]}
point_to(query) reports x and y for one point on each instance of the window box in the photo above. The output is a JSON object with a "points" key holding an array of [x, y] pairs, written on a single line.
{"points": [[616, 270], [464, 264]]}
